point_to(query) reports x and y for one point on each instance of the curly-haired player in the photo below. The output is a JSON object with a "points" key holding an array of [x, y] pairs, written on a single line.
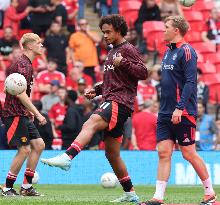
{"points": [[122, 70]]}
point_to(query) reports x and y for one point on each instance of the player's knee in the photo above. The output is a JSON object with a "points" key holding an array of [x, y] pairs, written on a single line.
{"points": [[25, 150], [164, 154], [39, 147], [188, 156]]}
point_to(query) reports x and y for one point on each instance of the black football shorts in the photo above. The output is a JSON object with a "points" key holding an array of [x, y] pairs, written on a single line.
{"points": [[116, 115], [20, 130]]}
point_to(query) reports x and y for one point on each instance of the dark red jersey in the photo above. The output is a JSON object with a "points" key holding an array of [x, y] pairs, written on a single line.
{"points": [[120, 83], [13, 106]]}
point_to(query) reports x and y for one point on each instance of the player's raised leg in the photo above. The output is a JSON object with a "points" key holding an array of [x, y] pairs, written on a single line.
{"points": [[189, 153], [112, 152], [37, 146], [90, 127]]}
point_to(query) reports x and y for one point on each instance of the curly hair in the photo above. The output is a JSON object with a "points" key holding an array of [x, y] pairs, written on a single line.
{"points": [[117, 21]]}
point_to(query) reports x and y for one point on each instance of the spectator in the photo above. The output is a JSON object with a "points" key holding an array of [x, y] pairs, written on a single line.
{"points": [[51, 98], [60, 13], [7, 42], [202, 90], [154, 74], [75, 74], [56, 45], [72, 122], [83, 43], [72, 10], [144, 127], [44, 78], [206, 130], [170, 8], [45, 130], [108, 7], [80, 91], [147, 90], [140, 44], [103, 49], [12, 18], [149, 11], [41, 15], [211, 29], [57, 115], [16, 53], [98, 136]]}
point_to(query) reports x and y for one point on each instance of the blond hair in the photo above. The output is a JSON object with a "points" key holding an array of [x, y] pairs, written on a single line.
{"points": [[28, 38], [180, 23]]}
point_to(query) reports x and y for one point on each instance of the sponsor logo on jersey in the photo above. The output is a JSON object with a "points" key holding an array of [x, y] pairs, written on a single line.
{"points": [[108, 67]]}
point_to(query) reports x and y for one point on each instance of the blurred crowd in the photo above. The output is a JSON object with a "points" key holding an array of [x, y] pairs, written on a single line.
{"points": [[73, 60]]}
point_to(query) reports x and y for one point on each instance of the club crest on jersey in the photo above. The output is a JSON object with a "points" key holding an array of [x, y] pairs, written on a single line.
{"points": [[174, 56]]}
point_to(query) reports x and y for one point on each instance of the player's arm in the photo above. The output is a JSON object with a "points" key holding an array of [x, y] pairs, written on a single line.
{"points": [[25, 100], [189, 62], [132, 63]]}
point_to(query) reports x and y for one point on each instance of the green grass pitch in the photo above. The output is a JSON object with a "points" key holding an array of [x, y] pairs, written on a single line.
{"points": [[95, 194]]}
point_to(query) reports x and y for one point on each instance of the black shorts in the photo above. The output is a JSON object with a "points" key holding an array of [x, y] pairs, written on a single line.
{"points": [[183, 133], [116, 115], [20, 130]]}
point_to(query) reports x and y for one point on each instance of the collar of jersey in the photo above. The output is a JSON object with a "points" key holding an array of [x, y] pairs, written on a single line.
{"points": [[172, 46]]}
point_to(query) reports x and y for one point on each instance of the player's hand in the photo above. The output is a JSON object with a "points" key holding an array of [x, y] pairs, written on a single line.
{"points": [[90, 94], [176, 117], [42, 120], [117, 59]]}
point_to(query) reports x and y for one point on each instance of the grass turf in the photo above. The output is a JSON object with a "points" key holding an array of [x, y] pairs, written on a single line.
{"points": [[95, 194]]}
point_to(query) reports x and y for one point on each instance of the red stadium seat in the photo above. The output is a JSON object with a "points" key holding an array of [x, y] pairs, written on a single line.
{"points": [[128, 6], [193, 37], [211, 79], [214, 94], [200, 58], [207, 68], [21, 32], [205, 7], [212, 58], [150, 27], [204, 47], [217, 68], [195, 19], [130, 17], [156, 42], [194, 16]]}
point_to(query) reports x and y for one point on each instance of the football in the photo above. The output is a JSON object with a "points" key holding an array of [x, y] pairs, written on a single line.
{"points": [[109, 180], [36, 178], [187, 3], [15, 84]]}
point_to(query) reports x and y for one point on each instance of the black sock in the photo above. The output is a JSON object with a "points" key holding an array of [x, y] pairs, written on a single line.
{"points": [[126, 184], [10, 180], [28, 176], [74, 149]]}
